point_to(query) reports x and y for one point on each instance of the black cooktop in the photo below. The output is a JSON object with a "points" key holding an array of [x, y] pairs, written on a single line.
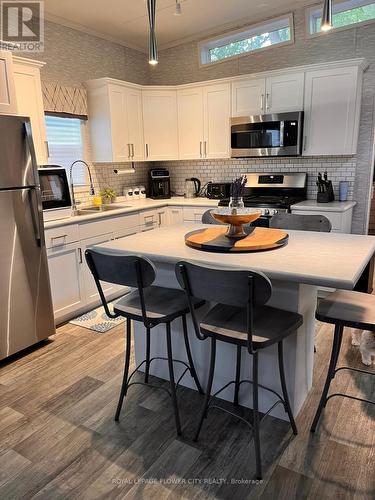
{"points": [[267, 201]]}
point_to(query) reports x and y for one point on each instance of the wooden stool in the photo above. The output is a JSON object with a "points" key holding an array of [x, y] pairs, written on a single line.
{"points": [[152, 305], [240, 318], [343, 308]]}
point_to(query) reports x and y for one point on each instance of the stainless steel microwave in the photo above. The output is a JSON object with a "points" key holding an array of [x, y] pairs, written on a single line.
{"points": [[267, 135]]}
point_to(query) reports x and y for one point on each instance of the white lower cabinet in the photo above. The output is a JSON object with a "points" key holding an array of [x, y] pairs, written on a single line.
{"points": [[64, 264], [176, 215], [194, 214], [91, 292]]}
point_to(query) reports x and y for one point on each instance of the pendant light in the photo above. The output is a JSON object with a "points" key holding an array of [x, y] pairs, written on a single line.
{"points": [[327, 16], [153, 49], [178, 11]]}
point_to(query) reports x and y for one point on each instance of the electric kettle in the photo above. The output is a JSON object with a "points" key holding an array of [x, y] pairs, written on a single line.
{"points": [[192, 187]]}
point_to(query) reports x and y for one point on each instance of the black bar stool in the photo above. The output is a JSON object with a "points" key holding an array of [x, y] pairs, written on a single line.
{"points": [[152, 305], [318, 223], [240, 318], [343, 309]]}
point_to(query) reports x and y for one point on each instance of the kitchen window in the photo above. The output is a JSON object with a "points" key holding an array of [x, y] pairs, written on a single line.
{"points": [[66, 144], [261, 36], [345, 14]]}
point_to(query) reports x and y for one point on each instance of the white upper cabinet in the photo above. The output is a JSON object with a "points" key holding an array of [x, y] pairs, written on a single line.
{"points": [[190, 123], [160, 124], [135, 123], [249, 97], [115, 117], [274, 94], [216, 120], [30, 103], [332, 106], [284, 93], [203, 122], [8, 101]]}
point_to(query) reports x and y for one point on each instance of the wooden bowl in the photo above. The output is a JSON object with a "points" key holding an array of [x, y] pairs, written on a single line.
{"points": [[236, 221]]}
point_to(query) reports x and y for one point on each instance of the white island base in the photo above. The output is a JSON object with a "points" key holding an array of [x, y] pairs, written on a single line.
{"points": [[298, 350]]}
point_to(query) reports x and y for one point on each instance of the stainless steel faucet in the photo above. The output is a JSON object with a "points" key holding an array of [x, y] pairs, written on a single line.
{"points": [[92, 190]]}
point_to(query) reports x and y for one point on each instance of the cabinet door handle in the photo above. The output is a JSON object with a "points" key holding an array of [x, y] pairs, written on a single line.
{"points": [[132, 150], [262, 102], [159, 216], [146, 150], [47, 148], [267, 101], [80, 260], [205, 149], [200, 148], [129, 152], [305, 143]]}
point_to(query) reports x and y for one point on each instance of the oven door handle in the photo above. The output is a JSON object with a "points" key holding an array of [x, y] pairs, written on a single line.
{"points": [[282, 129]]}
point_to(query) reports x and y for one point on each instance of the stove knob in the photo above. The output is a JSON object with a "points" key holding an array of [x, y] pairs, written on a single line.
{"points": [[266, 211], [274, 211]]}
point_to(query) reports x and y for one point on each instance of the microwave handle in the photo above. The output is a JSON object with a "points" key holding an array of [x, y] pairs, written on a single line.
{"points": [[282, 131]]}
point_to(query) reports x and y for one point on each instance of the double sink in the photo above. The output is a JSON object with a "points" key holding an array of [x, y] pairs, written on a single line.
{"points": [[96, 209]]}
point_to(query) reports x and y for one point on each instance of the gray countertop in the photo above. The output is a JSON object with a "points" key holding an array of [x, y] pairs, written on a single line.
{"points": [[332, 206], [320, 259], [134, 206]]}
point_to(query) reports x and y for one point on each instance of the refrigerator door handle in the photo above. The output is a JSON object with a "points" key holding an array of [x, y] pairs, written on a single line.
{"points": [[37, 217]]}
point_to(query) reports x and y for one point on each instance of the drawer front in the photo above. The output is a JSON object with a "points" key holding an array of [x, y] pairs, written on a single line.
{"points": [[194, 214], [61, 236], [335, 218], [122, 233], [148, 219], [107, 225]]}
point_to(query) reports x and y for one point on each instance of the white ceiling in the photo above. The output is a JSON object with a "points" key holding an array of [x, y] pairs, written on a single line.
{"points": [[126, 21]]}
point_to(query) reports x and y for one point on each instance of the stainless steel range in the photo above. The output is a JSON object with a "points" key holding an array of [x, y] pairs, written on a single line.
{"points": [[273, 193]]}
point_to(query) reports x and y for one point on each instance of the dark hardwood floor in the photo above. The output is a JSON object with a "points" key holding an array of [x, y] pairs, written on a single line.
{"points": [[58, 438]]}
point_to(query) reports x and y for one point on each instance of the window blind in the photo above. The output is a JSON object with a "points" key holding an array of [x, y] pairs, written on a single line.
{"points": [[65, 145]]}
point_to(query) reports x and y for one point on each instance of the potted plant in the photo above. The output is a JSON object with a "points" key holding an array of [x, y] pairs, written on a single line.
{"points": [[108, 195]]}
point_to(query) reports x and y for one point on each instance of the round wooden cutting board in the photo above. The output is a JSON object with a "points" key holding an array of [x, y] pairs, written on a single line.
{"points": [[214, 240]]}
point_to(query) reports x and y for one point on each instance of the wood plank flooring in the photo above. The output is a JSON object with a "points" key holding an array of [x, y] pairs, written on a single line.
{"points": [[58, 438]]}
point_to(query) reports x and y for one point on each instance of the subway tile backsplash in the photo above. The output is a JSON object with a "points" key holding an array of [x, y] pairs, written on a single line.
{"points": [[339, 168]]}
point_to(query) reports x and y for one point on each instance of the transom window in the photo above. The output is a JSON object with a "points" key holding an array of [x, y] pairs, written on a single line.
{"points": [[65, 144], [261, 36], [345, 14]]}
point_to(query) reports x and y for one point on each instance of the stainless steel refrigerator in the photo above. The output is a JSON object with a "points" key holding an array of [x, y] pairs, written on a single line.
{"points": [[26, 314]]}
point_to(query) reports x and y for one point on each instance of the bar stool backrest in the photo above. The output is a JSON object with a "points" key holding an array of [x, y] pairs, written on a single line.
{"points": [[125, 270], [208, 219], [318, 223], [244, 289]]}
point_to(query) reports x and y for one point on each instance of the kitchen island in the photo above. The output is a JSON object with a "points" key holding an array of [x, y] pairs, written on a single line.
{"points": [[308, 261]]}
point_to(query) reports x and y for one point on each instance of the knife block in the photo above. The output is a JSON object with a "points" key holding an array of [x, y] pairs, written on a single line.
{"points": [[327, 196]]}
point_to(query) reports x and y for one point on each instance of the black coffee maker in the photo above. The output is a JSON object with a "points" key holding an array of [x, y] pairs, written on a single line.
{"points": [[159, 184]]}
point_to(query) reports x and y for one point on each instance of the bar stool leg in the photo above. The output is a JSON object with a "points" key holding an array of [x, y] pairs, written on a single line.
{"points": [[208, 389], [331, 371], [338, 350], [124, 386], [171, 379], [258, 459], [189, 356], [284, 388], [238, 375], [148, 342]]}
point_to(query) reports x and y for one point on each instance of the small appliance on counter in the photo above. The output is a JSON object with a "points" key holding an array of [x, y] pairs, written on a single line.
{"points": [[218, 190], [159, 184], [192, 187], [325, 189], [55, 193]]}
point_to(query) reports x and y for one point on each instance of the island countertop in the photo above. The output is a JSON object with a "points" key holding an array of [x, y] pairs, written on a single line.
{"points": [[319, 259]]}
